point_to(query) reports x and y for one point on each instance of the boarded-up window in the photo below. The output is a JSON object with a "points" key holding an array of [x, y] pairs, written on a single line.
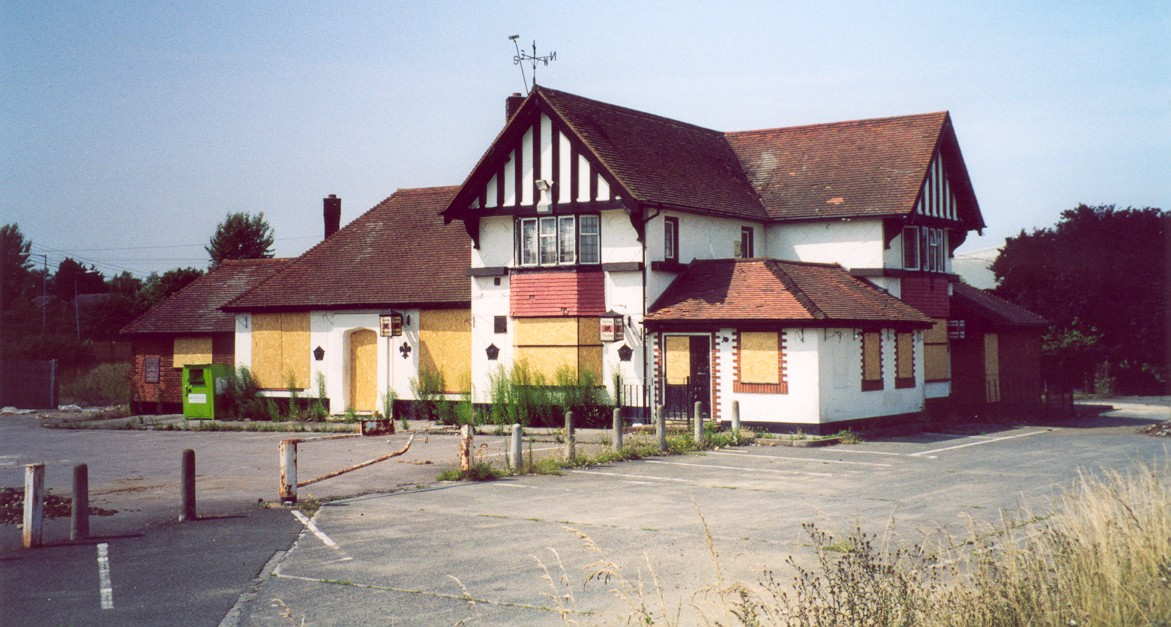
{"points": [[905, 360], [991, 368], [936, 353], [570, 345], [280, 350], [760, 363], [871, 360], [191, 350], [150, 369], [678, 359], [445, 340]]}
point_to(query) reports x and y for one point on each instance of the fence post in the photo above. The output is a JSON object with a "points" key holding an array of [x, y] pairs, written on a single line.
{"points": [[617, 441], [516, 457], [697, 424], [465, 448], [661, 428], [570, 438], [187, 485], [736, 419], [79, 516], [288, 486], [34, 505]]}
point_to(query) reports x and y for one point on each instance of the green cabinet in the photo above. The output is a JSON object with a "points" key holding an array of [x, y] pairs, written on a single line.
{"points": [[203, 389]]}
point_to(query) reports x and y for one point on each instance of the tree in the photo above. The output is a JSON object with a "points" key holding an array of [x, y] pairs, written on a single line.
{"points": [[15, 269], [1100, 276], [159, 287], [74, 278], [241, 236]]}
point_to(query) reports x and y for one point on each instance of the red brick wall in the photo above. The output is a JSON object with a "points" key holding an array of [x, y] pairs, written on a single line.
{"points": [[145, 396], [927, 294], [557, 293]]}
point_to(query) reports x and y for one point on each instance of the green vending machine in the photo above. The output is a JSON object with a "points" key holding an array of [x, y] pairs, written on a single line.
{"points": [[203, 385]]}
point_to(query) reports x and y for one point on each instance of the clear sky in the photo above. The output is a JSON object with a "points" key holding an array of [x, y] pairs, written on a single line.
{"points": [[128, 130]]}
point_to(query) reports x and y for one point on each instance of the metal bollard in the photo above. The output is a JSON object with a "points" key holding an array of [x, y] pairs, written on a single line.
{"points": [[697, 422], [617, 442], [736, 419], [661, 429], [516, 457], [188, 486], [79, 516], [34, 505], [570, 438], [288, 480]]}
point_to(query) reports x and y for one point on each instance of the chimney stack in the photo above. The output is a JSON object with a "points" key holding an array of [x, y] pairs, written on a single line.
{"points": [[333, 214], [511, 104]]}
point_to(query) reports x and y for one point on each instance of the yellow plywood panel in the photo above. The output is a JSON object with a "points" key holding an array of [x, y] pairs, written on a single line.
{"points": [[678, 359], [991, 354], [546, 331], [548, 360], [905, 355], [589, 331], [363, 370], [445, 339], [871, 356], [589, 359], [937, 362], [266, 350], [191, 350], [295, 349], [937, 334], [760, 356]]}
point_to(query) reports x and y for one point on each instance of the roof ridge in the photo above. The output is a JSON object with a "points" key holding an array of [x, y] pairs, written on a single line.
{"points": [[855, 122], [805, 299], [630, 110]]}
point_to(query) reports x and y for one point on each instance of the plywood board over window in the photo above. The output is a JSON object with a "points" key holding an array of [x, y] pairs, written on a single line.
{"points": [[445, 339], [936, 352], [905, 360], [191, 350], [563, 344], [280, 350], [760, 363], [678, 359], [871, 361]]}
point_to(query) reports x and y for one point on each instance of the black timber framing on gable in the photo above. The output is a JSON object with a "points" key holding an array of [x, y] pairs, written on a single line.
{"points": [[474, 187]]}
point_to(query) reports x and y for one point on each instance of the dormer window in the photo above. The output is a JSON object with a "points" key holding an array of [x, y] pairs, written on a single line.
{"points": [[924, 248], [746, 242], [559, 240]]}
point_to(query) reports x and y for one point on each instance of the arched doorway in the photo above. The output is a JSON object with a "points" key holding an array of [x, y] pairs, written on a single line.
{"points": [[363, 370]]}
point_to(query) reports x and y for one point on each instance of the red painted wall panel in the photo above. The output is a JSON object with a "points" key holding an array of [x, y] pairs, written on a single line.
{"points": [[557, 293], [927, 294]]}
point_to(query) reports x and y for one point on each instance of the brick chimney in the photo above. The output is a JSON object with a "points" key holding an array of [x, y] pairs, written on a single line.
{"points": [[333, 214], [511, 104]]}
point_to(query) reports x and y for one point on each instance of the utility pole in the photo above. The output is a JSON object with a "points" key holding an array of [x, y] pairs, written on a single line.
{"points": [[44, 289], [76, 312]]}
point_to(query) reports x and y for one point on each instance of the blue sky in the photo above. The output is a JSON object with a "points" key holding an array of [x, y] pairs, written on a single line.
{"points": [[128, 130]]}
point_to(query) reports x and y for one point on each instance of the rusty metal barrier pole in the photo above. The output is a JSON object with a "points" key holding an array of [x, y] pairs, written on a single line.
{"points": [[369, 462], [187, 484], [288, 480], [79, 516], [465, 448], [34, 505]]}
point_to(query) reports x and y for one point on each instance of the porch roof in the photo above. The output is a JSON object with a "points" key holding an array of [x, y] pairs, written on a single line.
{"points": [[967, 300], [766, 290]]}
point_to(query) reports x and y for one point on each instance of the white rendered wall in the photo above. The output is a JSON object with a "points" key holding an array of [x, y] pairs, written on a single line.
{"points": [[619, 239], [855, 243], [841, 370], [496, 243], [623, 293], [800, 405], [243, 341], [488, 301], [700, 237]]}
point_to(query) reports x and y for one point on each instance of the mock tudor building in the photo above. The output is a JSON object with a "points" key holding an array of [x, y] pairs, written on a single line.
{"points": [[802, 272]]}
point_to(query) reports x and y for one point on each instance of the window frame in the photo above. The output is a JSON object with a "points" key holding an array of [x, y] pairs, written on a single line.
{"points": [[904, 382], [535, 250], [870, 385], [573, 237], [581, 235], [747, 242], [671, 239], [741, 387], [911, 245], [531, 254], [542, 237]]}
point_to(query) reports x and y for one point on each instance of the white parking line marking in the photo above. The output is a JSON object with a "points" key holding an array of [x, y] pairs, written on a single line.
{"points": [[812, 459], [624, 475], [743, 469], [638, 482], [952, 448], [956, 435], [105, 588], [511, 485], [326, 540]]}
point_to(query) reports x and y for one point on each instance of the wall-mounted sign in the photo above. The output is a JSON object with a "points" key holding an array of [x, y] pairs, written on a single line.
{"points": [[150, 369], [611, 328], [390, 325], [955, 329]]}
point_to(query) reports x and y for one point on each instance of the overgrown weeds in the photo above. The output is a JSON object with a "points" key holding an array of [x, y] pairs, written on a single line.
{"points": [[105, 384]]}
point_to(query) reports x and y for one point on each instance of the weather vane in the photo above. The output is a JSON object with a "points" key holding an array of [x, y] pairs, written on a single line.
{"points": [[521, 56]]}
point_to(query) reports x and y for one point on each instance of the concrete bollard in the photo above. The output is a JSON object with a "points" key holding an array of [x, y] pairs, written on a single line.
{"points": [[570, 438], [697, 422], [288, 480], [79, 516], [661, 428], [34, 506], [736, 419], [617, 440], [466, 433], [516, 457], [188, 486]]}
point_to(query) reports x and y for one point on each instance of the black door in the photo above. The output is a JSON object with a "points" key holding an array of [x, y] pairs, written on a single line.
{"points": [[701, 374], [680, 395]]}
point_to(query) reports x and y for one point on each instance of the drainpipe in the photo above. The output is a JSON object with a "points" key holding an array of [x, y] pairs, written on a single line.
{"points": [[646, 387]]}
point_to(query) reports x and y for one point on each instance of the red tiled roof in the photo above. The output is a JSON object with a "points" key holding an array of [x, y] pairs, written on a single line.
{"points": [[397, 253], [844, 169], [195, 308], [768, 289], [660, 160], [1000, 312]]}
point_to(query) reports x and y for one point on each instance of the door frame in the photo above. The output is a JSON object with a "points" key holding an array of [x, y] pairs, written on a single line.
{"points": [[661, 376], [348, 368]]}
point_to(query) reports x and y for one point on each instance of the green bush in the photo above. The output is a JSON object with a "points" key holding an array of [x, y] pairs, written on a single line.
{"points": [[242, 396], [428, 389], [106, 384]]}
